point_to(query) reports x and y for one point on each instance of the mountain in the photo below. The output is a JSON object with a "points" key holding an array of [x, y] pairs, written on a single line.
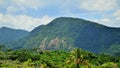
{"points": [[9, 35], [67, 33]]}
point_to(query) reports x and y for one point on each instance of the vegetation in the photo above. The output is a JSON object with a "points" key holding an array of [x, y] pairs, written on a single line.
{"points": [[76, 58], [53, 46], [114, 50], [8, 36], [65, 33]]}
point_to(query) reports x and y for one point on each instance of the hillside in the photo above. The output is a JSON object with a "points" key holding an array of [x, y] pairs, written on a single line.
{"points": [[10, 35], [66, 33]]}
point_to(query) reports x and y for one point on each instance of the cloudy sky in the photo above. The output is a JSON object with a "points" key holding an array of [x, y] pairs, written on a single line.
{"points": [[28, 14]]}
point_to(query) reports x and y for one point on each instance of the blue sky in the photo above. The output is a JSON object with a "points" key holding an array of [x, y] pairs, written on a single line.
{"points": [[28, 14]]}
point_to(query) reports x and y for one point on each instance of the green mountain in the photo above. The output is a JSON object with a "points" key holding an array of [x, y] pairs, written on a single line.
{"points": [[8, 35], [68, 33]]}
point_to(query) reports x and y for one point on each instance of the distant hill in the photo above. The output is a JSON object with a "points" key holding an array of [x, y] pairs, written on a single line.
{"points": [[10, 35], [68, 33]]}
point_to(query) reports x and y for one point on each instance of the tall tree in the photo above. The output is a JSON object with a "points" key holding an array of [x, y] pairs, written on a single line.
{"points": [[78, 58]]}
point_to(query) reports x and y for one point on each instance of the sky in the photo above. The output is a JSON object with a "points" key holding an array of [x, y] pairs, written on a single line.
{"points": [[28, 14]]}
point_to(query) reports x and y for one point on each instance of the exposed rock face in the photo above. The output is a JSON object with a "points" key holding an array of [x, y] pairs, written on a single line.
{"points": [[43, 44], [54, 43]]}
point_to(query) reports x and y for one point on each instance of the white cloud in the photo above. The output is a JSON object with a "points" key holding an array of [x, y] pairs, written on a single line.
{"points": [[29, 3], [22, 21], [22, 4], [104, 21], [99, 5], [2, 2], [118, 19], [66, 7], [108, 22], [34, 4], [112, 20], [92, 5], [13, 9], [117, 13]]}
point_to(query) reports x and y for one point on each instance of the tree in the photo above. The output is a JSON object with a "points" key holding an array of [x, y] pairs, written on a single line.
{"points": [[78, 58]]}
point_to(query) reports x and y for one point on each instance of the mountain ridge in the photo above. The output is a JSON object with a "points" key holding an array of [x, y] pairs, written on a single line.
{"points": [[66, 33], [9, 34], [74, 32]]}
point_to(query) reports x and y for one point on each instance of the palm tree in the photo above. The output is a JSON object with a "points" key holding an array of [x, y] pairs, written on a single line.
{"points": [[78, 58]]}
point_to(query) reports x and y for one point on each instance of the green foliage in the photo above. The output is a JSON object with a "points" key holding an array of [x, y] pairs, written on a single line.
{"points": [[20, 55], [8, 34], [2, 55], [114, 50], [109, 65], [9, 37], [67, 33], [77, 58]]}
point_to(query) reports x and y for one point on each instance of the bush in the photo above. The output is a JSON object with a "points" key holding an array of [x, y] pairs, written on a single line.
{"points": [[20, 55], [35, 57]]}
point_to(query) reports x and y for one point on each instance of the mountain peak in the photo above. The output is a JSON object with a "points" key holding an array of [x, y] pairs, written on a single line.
{"points": [[63, 20], [12, 29], [5, 28], [67, 18], [8, 34], [73, 22]]}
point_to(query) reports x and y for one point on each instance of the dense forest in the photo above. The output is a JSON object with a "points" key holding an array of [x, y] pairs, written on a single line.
{"points": [[37, 58]]}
